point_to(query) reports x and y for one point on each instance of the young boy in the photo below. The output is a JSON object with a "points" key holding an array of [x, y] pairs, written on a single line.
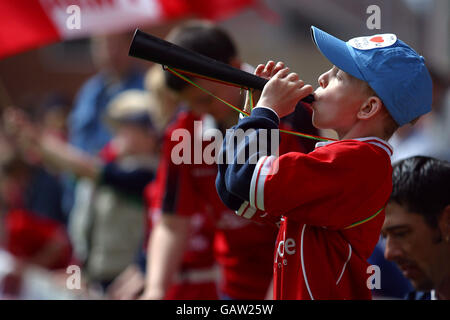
{"points": [[329, 203]]}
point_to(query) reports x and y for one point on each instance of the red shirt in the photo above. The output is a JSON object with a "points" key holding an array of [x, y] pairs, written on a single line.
{"points": [[244, 250], [318, 196], [28, 234], [185, 189]]}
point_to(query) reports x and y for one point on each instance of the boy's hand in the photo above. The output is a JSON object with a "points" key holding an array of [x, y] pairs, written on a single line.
{"points": [[269, 70], [266, 72], [283, 90]]}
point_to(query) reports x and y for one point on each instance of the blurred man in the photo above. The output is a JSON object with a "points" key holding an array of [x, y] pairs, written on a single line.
{"points": [[116, 73], [417, 226]]}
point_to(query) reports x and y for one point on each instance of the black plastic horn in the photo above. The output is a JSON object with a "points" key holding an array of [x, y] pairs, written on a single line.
{"points": [[151, 48]]}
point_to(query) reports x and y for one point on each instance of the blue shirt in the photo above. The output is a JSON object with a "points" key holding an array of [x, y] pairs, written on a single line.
{"points": [[86, 128]]}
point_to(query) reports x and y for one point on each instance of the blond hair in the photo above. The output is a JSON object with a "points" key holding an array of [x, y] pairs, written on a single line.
{"points": [[165, 100]]}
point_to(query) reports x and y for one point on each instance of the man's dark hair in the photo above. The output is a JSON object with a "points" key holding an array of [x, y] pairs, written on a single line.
{"points": [[204, 38], [422, 185]]}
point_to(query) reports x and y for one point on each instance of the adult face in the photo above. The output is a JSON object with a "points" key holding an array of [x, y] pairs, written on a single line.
{"points": [[417, 248], [109, 52]]}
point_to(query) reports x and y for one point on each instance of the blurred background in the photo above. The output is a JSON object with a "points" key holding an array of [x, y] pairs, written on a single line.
{"points": [[43, 78]]}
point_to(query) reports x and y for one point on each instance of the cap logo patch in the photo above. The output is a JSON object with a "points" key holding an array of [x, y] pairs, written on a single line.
{"points": [[377, 39], [373, 42]]}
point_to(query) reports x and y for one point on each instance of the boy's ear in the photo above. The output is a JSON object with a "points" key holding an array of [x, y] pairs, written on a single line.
{"points": [[372, 106]]}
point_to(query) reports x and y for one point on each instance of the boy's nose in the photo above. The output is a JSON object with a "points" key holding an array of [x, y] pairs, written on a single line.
{"points": [[322, 80]]}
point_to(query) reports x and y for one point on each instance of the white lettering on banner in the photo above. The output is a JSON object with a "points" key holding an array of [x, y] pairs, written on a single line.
{"points": [[74, 19], [102, 16]]}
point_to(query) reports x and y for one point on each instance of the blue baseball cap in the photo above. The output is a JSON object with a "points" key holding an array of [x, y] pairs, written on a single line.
{"points": [[392, 69]]}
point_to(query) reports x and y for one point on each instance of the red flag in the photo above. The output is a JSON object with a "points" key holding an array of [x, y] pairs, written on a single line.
{"points": [[24, 25], [28, 24]]}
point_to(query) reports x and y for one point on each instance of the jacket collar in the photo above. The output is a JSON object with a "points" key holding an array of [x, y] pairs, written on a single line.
{"points": [[372, 140]]}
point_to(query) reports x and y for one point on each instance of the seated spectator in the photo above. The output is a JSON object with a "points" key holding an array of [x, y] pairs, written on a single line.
{"points": [[417, 225]]}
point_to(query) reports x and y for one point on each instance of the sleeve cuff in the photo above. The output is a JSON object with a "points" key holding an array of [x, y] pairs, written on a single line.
{"points": [[266, 112]]}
